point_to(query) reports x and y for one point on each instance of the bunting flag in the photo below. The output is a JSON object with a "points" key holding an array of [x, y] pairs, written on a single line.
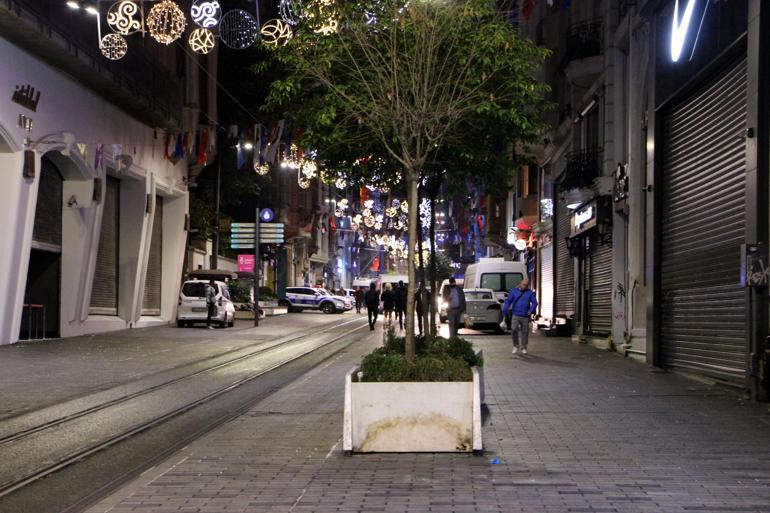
{"points": [[170, 146], [99, 157], [202, 157], [275, 142], [186, 143], [83, 149], [527, 7], [178, 151]]}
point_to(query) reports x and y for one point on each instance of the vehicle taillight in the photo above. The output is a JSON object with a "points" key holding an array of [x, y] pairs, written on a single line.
{"points": [[493, 307]]}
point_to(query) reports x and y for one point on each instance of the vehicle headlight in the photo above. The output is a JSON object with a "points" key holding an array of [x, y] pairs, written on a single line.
{"points": [[340, 303], [444, 304]]}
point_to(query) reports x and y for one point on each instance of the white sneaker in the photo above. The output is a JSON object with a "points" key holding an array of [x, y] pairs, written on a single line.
{"points": [[515, 350], [523, 351]]}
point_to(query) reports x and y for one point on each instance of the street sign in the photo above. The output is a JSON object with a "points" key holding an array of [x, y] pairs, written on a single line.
{"points": [[266, 215], [246, 263], [275, 227], [242, 235], [243, 230], [242, 246], [243, 225]]}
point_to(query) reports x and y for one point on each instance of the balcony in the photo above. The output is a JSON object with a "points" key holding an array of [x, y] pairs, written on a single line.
{"points": [[584, 40], [68, 41], [582, 168]]}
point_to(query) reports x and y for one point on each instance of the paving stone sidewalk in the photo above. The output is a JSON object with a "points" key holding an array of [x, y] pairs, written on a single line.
{"points": [[571, 429], [42, 373]]}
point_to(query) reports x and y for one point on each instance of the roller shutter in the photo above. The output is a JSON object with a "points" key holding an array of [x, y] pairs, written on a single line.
{"points": [[546, 282], [703, 309], [104, 293], [152, 284], [564, 275], [600, 286]]}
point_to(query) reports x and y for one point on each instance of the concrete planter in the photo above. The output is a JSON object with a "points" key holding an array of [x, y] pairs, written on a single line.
{"points": [[413, 417]]}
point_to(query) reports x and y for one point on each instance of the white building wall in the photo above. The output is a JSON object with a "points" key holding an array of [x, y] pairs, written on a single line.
{"points": [[69, 117]]}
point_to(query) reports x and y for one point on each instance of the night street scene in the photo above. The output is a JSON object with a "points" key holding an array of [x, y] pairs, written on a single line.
{"points": [[384, 256]]}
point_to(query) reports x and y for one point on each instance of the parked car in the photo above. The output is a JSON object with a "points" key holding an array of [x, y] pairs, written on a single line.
{"points": [[440, 298], [495, 273], [307, 298], [482, 310], [192, 304], [345, 299]]}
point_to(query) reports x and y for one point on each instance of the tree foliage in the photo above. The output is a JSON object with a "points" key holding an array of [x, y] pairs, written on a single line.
{"points": [[407, 90]]}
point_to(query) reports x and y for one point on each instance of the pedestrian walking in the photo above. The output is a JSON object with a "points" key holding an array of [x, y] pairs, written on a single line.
{"points": [[359, 297], [388, 302], [418, 295], [401, 293], [211, 302], [454, 297], [372, 301], [522, 303]]}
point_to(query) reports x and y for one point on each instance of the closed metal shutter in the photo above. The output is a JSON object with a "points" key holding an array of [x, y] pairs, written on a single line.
{"points": [[565, 271], [703, 309], [104, 293], [152, 284], [546, 282], [48, 210], [600, 286]]}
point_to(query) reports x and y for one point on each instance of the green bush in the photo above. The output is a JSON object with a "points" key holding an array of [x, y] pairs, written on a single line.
{"points": [[436, 359]]}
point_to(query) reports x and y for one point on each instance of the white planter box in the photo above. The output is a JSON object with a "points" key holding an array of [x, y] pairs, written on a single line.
{"points": [[413, 417]]}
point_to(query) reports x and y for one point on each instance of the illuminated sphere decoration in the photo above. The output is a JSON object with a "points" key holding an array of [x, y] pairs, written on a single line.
{"points": [[261, 169], [369, 221], [166, 22], [341, 183], [124, 17], [201, 41], [206, 13], [303, 182], [404, 207], [290, 11], [276, 32], [113, 46], [238, 29], [390, 212]]}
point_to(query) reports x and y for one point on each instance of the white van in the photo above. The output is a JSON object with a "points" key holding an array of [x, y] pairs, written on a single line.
{"points": [[495, 273]]}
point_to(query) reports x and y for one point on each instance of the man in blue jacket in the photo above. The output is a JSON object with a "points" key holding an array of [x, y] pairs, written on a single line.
{"points": [[522, 303]]}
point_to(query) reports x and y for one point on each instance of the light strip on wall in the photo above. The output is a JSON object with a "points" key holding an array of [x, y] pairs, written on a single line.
{"points": [[680, 29]]}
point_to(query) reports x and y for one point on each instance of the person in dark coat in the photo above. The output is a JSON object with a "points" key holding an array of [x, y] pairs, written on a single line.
{"points": [[401, 293], [372, 301], [359, 296], [418, 295], [388, 301]]}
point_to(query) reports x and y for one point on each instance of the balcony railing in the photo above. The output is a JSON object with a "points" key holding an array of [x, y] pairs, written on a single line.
{"points": [[585, 40], [624, 6], [582, 168], [68, 39]]}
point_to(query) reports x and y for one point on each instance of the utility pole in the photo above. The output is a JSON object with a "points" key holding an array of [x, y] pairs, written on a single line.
{"points": [[256, 267], [215, 245]]}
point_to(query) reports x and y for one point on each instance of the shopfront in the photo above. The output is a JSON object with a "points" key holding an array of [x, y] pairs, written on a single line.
{"points": [[590, 241], [703, 196]]}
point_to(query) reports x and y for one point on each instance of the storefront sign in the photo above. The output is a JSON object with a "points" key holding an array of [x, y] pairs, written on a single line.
{"points": [[266, 215], [583, 219], [245, 263], [755, 271], [26, 96], [681, 34]]}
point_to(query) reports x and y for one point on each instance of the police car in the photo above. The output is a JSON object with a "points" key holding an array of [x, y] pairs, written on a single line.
{"points": [[306, 298]]}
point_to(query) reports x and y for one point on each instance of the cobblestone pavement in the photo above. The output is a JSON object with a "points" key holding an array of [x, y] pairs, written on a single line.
{"points": [[571, 429], [43, 373]]}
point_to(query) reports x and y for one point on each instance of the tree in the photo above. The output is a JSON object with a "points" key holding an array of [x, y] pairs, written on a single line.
{"points": [[406, 82]]}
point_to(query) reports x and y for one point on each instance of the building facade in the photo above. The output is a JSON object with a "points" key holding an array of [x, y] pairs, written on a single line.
{"points": [[94, 205], [654, 181]]}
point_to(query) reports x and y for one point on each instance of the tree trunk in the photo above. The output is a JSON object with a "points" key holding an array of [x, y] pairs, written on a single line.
{"points": [[433, 284], [414, 207]]}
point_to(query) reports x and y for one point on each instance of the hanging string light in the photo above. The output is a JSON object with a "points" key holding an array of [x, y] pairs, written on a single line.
{"points": [[261, 169], [166, 22], [124, 17], [113, 46]]}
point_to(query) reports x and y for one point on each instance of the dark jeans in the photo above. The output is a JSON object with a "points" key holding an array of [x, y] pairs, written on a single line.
{"points": [[419, 322], [454, 317], [358, 306], [212, 312], [373, 313], [400, 314]]}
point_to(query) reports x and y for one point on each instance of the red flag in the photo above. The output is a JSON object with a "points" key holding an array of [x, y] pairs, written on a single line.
{"points": [[204, 143], [527, 8]]}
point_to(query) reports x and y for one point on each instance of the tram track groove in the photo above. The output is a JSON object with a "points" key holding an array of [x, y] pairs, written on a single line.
{"points": [[67, 460], [17, 435]]}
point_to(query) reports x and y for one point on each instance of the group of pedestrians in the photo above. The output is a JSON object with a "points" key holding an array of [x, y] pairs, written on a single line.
{"points": [[521, 304]]}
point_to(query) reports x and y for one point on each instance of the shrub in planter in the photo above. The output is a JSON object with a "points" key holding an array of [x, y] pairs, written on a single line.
{"points": [[437, 359]]}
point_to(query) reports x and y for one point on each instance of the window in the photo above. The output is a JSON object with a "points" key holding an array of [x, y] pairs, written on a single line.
{"points": [[194, 289], [500, 282], [478, 295]]}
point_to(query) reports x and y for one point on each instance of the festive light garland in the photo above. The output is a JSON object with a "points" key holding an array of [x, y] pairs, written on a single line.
{"points": [[166, 22], [205, 13], [122, 17], [113, 46], [201, 41], [238, 29]]}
